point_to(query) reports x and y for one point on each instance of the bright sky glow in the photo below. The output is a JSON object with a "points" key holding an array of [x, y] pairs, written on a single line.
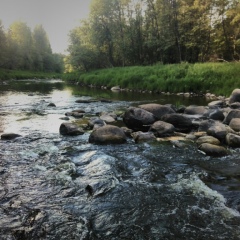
{"points": [[58, 17]]}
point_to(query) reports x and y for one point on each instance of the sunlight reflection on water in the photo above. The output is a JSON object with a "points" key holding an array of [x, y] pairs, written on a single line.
{"points": [[18, 111]]}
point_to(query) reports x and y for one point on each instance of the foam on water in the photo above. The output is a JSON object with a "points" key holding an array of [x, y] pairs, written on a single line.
{"points": [[200, 189]]}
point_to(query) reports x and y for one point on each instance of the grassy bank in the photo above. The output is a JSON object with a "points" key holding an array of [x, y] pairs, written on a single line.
{"points": [[19, 74], [218, 78]]}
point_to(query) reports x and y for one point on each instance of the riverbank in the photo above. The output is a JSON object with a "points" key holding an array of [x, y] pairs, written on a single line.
{"points": [[217, 78], [6, 74]]}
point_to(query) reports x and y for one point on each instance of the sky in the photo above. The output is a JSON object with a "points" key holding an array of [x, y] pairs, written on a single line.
{"points": [[57, 17]]}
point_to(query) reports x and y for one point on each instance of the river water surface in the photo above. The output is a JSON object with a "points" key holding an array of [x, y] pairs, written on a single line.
{"points": [[59, 187]]}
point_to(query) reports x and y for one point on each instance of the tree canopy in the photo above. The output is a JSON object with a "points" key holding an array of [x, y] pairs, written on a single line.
{"points": [[143, 32], [24, 49]]}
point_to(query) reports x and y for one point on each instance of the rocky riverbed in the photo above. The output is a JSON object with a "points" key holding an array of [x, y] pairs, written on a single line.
{"points": [[87, 168]]}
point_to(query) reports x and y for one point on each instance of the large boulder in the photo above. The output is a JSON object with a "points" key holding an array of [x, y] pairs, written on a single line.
{"points": [[235, 96], [138, 119], [107, 134], [180, 122], [157, 110], [195, 110], [70, 129], [162, 129], [233, 140], [232, 114], [235, 124], [213, 150]]}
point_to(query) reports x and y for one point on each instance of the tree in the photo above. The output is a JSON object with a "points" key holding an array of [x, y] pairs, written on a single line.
{"points": [[41, 49], [3, 46], [20, 39]]}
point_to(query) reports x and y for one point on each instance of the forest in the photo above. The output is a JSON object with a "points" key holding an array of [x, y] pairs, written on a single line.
{"points": [[24, 49], [121, 33]]}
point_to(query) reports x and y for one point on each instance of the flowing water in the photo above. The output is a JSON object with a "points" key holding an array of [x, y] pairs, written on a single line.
{"points": [[61, 187]]}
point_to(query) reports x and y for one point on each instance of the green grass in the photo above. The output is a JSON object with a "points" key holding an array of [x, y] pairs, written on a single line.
{"points": [[20, 74], [218, 78]]}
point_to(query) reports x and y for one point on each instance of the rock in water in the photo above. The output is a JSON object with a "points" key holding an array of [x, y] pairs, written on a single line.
{"points": [[162, 129], [157, 110], [235, 96], [107, 134], [70, 129], [138, 119], [9, 136], [213, 150]]}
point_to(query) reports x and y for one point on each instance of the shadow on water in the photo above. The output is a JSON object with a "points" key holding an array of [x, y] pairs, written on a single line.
{"points": [[56, 187]]}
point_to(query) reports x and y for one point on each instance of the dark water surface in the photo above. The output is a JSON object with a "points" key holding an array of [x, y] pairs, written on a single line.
{"points": [[56, 187]]}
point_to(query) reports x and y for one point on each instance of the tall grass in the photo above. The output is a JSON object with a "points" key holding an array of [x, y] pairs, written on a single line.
{"points": [[218, 78], [19, 74]]}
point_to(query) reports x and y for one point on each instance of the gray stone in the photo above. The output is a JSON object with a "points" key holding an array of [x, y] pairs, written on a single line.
{"points": [[217, 104], [157, 110], [235, 124], [143, 136], [70, 129], [9, 136], [213, 150], [180, 122], [96, 122], [138, 119], [107, 135], [235, 105], [232, 114], [207, 139], [195, 110], [216, 114], [233, 140], [51, 105], [218, 130], [162, 129], [235, 96]]}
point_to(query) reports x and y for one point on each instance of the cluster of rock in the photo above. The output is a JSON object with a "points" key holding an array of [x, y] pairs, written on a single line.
{"points": [[207, 95], [214, 128]]}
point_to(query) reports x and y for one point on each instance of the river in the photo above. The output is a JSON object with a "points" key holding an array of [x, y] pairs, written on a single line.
{"points": [[62, 187]]}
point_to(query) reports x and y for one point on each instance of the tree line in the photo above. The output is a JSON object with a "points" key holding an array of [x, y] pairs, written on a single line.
{"points": [[145, 32], [24, 49]]}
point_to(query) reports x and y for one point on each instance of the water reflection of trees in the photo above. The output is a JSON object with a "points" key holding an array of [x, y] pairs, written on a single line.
{"points": [[136, 96], [33, 86]]}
